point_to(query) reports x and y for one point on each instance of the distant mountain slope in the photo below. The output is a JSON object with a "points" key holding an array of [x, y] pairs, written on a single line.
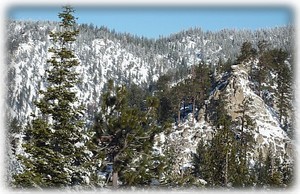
{"points": [[105, 54]]}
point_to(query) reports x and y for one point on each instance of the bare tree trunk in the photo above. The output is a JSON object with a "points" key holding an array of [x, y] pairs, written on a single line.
{"points": [[194, 104], [272, 165], [226, 170], [115, 179], [115, 173], [178, 115]]}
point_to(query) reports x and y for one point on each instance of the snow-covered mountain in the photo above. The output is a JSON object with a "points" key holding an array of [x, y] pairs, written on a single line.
{"points": [[105, 54]]}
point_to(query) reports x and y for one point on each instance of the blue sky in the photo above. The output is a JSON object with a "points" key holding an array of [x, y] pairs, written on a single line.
{"points": [[152, 22]]}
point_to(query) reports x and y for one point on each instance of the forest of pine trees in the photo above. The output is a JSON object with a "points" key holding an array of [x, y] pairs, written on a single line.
{"points": [[116, 150]]}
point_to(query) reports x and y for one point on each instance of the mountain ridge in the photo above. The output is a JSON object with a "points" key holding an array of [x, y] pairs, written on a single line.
{"points": [[104, 56]]}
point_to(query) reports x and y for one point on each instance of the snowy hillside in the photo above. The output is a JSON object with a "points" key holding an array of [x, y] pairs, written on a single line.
{"points": [[107, 55]]}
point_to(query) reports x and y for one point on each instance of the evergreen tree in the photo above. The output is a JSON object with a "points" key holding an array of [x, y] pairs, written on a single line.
{"points": [[246, 125], [275, 60], [169, 175], [13, 137], [259, 171], [201, 84], [126, 135], [273, 178], [247, 52], [164, 95], [55, 147], [268, 171], [202, 162], [219, 67], [261, 72], [284, 91], [137, 96], [223, 160], [219, 158], [14, 127], [174, 175], [223, 143], [262, 46], [177, 100], [287, 169], [183, 69]]}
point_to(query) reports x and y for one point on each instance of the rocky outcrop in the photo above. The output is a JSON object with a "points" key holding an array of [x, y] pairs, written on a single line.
{"points": [[266, 130], [235, 88]]}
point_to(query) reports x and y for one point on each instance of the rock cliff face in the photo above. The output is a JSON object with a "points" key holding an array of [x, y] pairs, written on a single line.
{"points": [[235, 88], [266, 130]]}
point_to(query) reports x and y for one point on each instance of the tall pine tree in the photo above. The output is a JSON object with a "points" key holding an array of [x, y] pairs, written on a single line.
{"points": [[260, 73], [284, 90], [55, 148]]}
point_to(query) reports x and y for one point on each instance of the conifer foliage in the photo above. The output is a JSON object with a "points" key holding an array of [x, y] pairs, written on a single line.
{"points": [[126, 136], [247, 52], [55, 147]]}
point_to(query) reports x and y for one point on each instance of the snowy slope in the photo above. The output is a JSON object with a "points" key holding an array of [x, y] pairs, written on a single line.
{"points": [[104, 55], [100, 60]]}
